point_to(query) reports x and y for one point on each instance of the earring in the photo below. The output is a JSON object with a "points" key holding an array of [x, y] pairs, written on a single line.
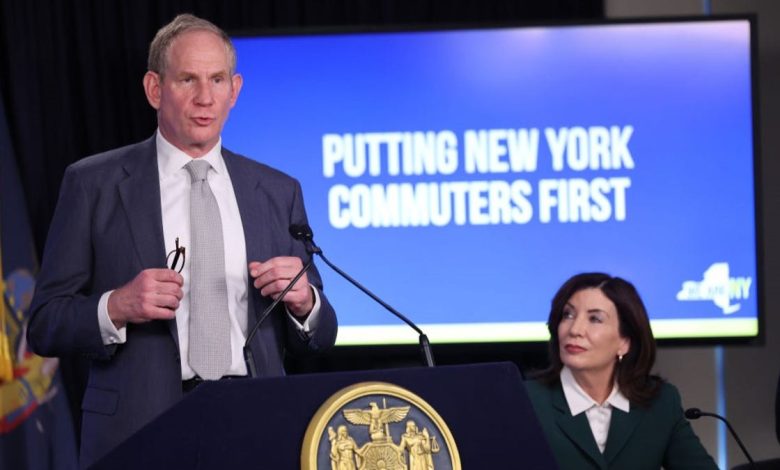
{"points": [[620, 358]]}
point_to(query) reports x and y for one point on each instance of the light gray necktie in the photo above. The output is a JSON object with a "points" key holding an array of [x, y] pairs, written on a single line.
{"points": [[209, 339]]}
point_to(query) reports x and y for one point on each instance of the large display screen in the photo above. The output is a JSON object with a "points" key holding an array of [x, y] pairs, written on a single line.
{"points": [[463, 175]]}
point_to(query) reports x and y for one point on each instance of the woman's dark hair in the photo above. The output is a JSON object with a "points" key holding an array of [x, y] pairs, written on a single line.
{"points": [[633, 371]]}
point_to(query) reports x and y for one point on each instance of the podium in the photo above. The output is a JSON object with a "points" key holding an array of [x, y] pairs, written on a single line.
{"points": [[261, 423]]}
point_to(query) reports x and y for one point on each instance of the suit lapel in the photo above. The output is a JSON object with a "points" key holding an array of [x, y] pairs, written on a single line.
{"points": [[246, 186], [576, 428], [140, 195], [621, 427]]}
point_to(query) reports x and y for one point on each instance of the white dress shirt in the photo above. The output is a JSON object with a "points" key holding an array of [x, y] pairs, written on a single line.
{"points": [[175, 203], [599, 415]]}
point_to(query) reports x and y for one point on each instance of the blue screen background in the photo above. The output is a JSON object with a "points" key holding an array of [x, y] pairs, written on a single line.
{"points": [[684, 87]]}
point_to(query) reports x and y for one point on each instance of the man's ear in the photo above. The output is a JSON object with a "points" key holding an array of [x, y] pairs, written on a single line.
{"points": [[152, 88], [237, 81]]}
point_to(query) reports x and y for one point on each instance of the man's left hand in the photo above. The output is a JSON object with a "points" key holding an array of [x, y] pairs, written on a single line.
{"points": [[273, 276]]}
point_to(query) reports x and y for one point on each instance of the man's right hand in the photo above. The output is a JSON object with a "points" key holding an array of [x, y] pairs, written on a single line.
{"points": [[154, 294]]}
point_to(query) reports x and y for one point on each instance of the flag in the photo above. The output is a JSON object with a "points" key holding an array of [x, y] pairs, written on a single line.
{"points": [[36, 431]]}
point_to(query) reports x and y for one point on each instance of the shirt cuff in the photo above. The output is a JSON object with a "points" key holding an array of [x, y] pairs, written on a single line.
{"points": [[109, 332], [313, 319]]}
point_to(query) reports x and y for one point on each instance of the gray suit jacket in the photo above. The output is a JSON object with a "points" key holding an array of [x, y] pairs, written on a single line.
{"points": [[106, 229]]}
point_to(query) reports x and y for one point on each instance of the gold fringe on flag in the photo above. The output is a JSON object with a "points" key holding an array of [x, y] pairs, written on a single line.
{"points": [[6, 360]]}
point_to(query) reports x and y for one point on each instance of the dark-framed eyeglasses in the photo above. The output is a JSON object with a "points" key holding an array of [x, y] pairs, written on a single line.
{"points": [[179, 255]]}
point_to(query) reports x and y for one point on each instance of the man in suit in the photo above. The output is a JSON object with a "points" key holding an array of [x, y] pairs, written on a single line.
{"points": [[104, 288]]}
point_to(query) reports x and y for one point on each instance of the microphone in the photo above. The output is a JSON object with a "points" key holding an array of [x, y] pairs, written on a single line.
{"points": [[305, 234], [249, 358], [695, 413]]}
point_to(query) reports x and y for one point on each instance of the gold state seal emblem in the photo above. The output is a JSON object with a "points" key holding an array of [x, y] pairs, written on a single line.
{"points": [[376, 425]]}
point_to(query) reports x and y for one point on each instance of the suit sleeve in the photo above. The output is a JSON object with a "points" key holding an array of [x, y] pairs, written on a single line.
{"points": [[324, 336], [684, 450], [64, 311]]}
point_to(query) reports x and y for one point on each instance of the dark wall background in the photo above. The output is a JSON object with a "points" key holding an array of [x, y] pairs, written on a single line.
{"points": [[70, 71], [70, 76]]}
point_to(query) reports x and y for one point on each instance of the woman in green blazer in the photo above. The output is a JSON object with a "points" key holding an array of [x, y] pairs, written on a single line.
{"points": [[597, 403]]}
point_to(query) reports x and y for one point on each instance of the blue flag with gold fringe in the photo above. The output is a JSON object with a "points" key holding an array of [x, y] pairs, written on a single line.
{"points": [[36, 430]]}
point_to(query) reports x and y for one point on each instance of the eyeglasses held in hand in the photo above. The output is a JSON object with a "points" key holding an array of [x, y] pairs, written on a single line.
{"points": [[178, 252]]}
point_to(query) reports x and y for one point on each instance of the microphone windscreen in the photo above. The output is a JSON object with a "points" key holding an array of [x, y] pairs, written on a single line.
{"points": [[693, 413], [301, 232]]}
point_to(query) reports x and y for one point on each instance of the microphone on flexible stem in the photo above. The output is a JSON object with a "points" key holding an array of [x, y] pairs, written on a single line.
{"points": [[305, 234], [695, 413], [249, 358]]}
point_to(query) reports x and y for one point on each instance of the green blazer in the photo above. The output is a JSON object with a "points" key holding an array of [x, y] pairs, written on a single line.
{"points": [[644, 438]]}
